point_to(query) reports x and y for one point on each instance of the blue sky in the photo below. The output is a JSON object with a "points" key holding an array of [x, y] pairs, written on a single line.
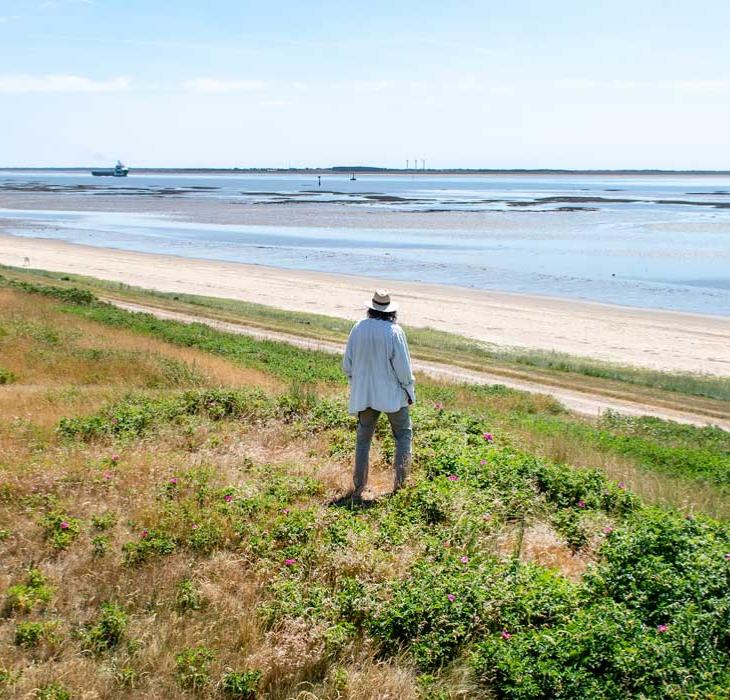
{"points": [[460, 84]]}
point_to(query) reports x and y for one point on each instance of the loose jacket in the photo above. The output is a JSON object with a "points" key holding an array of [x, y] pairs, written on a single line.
{"points": [[378, 366]]}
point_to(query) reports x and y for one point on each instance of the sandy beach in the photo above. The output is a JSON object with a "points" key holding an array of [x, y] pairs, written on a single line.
{"points": [[649, 338]]}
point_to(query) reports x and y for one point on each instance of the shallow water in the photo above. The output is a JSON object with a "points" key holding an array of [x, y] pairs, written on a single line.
{"points": [[665, 244]]}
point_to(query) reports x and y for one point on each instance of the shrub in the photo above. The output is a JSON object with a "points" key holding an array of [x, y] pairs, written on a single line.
{"points": [[568, 523], [26, 596], [240, 685], [60, 528], [104, 521], [70, 295], [193, 667], [150, 544], [435, 611], [54, 691], [659, 563], [6, 376], [100, 546], [107, 632], [604, 653], [187, 596], [30, 634]]}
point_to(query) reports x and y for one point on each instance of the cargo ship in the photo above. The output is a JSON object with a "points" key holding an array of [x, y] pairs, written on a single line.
{"points": [[119, 170]]}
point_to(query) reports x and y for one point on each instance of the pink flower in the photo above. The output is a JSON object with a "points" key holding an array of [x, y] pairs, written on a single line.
{"points": [[488, 437], [194, 526], [108, 475], [506, 635], [447, 544], [115, 421], [464, 560], [439, 406], [482, 461], [289, 562], [621, 485], [581, 504], [727, 557], [114, 458], [228, 498], [173, 481], [662, 628], [144, 533], [285, 511], [64, 525], [451, 597], [607, 530], [487, 516], [453, 477]]}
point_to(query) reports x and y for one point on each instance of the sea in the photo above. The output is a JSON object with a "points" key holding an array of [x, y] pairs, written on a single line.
{"points": [[653, 241]]}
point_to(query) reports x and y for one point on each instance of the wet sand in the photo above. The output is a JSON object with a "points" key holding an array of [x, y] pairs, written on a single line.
{"points": [[648, 338]]}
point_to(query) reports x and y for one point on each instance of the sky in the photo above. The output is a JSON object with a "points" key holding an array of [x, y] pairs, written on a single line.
{"points": [[314, 83]]}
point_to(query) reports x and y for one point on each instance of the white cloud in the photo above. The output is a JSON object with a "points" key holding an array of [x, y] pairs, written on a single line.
{"points": [[61, 83], [214, 85]]}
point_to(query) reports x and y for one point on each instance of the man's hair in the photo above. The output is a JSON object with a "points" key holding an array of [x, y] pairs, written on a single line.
{"points": [[383, 315]]}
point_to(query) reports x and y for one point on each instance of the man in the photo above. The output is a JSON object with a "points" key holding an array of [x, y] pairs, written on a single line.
{"points": [[378, 367]]}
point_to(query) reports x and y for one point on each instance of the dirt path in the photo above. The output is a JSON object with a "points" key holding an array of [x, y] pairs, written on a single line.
{"points": [[580, 402]]}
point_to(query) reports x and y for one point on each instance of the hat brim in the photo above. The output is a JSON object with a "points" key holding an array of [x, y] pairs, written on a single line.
{"points": [[386, 309]]}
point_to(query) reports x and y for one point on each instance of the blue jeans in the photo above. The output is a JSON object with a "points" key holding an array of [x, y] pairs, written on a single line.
{"points": [[400, 423]]}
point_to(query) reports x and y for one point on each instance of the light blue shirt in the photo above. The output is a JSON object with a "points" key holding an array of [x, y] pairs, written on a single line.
{"points": [[378, 366]]}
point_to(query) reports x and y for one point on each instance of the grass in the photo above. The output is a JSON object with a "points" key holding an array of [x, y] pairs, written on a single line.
{"points": [[702, 393], [185, 534]]}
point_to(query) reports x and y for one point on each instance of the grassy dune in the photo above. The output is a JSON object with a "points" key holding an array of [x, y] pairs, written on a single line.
{"points": [[172, 524], [700, 393]]}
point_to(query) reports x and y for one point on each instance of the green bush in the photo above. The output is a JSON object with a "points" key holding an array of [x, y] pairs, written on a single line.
{"points": [[26, 596], [100, 546], [107, 632], [136, 415], [104, 521], [150, 544], [659, 563], [60, 528], [54, 691], [192, 667], [603, 652], [241, 685], [6, 376], [30, 634], [187, 596], [70, 295]]}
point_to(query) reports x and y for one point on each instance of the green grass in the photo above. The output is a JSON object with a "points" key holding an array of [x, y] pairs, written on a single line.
{"points": [[426, 343], [227, 571], [687, 452]]}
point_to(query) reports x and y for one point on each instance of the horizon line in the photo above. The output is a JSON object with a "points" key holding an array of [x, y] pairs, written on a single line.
{"points": [[372, 169]]}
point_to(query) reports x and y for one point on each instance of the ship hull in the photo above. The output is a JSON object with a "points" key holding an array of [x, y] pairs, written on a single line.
{"points": [[108, 173]]}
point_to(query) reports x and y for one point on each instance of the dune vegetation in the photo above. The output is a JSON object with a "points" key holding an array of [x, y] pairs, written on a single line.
{"points": [[703, 394], [174, 522]]}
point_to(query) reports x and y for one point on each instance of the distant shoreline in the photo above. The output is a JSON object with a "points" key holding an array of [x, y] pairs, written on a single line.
{"points": [[368, 170], [654, 338]]}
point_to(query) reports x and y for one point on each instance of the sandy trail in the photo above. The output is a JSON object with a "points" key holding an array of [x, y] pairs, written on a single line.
{"points": [[641, 337], [579, 402]]}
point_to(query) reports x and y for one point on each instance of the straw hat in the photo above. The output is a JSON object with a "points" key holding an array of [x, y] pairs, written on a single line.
{"points": [[381, 302]]}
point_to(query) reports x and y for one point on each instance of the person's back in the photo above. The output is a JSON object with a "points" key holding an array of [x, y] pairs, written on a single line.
{"points": [[378, 366]]}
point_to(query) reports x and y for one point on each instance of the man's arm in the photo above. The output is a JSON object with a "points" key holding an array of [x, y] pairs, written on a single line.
{"points": [[347, 359], [401, 363]]}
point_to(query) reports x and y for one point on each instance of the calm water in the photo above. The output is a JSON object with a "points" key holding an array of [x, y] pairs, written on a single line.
{"points": [[661, 242]]}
